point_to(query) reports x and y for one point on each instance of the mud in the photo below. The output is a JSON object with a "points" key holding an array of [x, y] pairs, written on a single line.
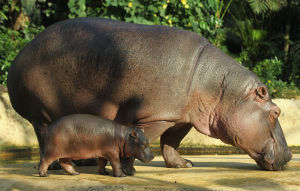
{"points": [[210, 172]]}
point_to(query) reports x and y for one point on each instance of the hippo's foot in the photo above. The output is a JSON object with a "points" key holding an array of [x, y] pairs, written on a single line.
{"points": [[54, 166], [43, 174], [174, 160], [130, 171], [86, 162], [119, 174], [127, 166], [179, 163], [73, 173]]}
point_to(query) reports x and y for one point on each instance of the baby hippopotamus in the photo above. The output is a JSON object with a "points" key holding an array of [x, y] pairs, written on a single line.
{"points": [[82, 136]]}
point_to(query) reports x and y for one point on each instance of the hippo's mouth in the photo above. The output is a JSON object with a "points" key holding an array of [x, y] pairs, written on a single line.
{"points": [[271, 167], [265, 163], [265, 159]]}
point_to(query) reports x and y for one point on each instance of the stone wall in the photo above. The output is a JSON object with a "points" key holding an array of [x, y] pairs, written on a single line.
{"points": [[16, 131]]}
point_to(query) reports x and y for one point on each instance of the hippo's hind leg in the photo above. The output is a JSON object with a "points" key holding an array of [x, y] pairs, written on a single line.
{"points": [[45, 161], [40, 129], [43, 167], [66, 164], [102, 163], [169, 142]]}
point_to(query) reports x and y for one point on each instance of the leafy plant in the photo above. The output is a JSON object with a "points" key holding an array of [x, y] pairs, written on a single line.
{"points": [[261, 6], [198, 15], [269, 71], [77, 8], [11, 42]]}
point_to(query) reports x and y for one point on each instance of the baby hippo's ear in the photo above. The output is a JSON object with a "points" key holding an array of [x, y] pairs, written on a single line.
{"points": [[133, 134]]}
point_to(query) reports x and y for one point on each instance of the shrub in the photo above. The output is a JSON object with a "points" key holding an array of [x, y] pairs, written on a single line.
{"points": [[197, 15], [269, 71], [11, 42]]}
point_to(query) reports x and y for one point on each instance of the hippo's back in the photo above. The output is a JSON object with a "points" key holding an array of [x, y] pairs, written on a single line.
{"points": [[103, 67]]}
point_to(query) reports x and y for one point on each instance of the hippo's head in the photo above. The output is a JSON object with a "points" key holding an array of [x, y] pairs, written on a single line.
{"points": [[252, 125], [137, 145]]}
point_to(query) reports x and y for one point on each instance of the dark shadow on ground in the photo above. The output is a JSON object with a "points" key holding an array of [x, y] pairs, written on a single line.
{"points": [[230, 165], [7, 184], [249, 183]]}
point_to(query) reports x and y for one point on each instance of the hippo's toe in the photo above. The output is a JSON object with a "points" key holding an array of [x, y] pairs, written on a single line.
{"points": [[188, 164]]}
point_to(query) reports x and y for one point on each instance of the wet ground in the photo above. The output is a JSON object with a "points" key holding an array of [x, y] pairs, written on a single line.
{"points": [[210, 172]]}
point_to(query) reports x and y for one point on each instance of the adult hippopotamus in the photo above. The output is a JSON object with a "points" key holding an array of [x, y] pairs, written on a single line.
{"points": [[160, 78]]}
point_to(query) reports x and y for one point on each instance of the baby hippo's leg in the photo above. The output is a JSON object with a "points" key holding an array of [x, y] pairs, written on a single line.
{"points": [[116, 166], [102, 163], [44, 164], [66, 164], [127, 166]]}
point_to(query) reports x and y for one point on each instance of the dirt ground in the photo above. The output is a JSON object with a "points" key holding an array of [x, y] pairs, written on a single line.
{"points": [[210, 172]]}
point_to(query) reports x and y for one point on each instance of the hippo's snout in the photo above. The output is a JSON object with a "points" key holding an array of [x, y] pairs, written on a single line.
{"points": [[147, 155], [279, 161]]}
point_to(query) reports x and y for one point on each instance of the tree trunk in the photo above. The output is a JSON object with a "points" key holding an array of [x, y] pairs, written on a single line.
{"points": [[287, 33]]}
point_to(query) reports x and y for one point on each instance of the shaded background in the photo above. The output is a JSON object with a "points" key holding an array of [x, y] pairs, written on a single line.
{"points": [[263, 35]]}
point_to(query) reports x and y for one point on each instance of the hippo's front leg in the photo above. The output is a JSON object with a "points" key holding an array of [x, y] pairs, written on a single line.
{"points": [[127, 166], [170, 139], [116, 166], [169, 142]]}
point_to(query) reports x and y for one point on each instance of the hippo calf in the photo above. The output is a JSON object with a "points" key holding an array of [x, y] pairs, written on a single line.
{"points": [[82, 136], [160, 78]]}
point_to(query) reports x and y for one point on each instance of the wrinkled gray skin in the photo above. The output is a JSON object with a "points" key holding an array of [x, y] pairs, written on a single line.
{"points": [[82, 136], [163, 79]]}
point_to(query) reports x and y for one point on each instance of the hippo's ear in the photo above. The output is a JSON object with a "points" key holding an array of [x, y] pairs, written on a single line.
{"points": [[133, 134], [262, 92]]}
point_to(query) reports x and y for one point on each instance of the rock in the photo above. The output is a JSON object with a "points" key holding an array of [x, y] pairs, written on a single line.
{"points": [[15, 131]]}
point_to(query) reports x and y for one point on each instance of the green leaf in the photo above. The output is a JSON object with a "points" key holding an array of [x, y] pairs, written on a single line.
{"points": [[258, 6], [2, 15], [258, 35]]}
